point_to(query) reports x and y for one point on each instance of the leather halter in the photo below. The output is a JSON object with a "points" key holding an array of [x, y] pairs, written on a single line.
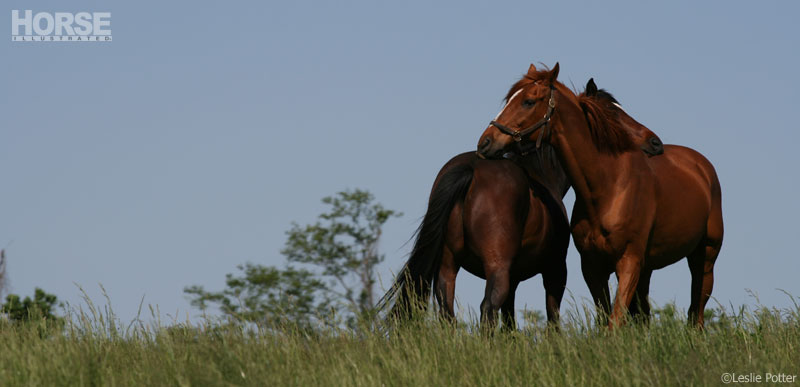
{"points": [[518, 134]]}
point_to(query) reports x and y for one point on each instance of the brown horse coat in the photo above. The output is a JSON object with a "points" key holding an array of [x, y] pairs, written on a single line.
{"points": [[500, 221], [632, 214]]}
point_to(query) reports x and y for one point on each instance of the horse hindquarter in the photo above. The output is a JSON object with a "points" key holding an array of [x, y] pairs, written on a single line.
{"points": [[687, 193]]}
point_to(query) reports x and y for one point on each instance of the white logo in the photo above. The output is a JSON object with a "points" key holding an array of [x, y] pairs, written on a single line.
{"points": [[60, 26]]}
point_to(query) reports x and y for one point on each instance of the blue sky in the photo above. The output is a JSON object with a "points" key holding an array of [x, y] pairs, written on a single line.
{"points": [[190, 143]]}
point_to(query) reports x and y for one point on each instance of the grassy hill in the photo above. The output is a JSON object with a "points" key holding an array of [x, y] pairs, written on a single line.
{"points": [[93, 349]]}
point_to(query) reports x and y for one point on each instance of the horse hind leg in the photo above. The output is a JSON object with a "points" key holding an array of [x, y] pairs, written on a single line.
{"points": [[507, 309], [446, 286], [497, 252], [555, 283], [498, 285], [701, 265]]}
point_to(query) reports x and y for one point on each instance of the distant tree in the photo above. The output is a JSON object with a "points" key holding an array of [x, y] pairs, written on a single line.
{"points": [[343, 247], [668, 312], [268, 295], [717, 318], [41, 306], [534, 318], [330, 269], [713, 317]]}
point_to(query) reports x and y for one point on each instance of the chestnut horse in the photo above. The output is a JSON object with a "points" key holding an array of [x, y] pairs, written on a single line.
{"points": [[499, 220], [632, 214], [648, 141]]}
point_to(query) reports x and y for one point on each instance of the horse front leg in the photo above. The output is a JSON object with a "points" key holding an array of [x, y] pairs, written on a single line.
{"points": [[640, 306], [628, 269], [596, 277]]}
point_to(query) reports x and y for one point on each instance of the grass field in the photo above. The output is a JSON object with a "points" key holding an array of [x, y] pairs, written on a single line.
{"points": [[93, 349]]}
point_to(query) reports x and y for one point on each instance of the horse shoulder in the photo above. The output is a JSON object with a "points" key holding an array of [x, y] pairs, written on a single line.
{"points": [[624, 212]]}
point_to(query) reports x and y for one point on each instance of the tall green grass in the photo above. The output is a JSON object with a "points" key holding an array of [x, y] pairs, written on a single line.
{"points": [[93, 348]]}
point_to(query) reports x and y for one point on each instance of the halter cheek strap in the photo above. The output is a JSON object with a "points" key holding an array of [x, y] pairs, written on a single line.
{"points": [[519, 134]]}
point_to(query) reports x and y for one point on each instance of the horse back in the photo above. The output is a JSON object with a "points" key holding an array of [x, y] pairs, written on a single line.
{"points": [[684, 168]]}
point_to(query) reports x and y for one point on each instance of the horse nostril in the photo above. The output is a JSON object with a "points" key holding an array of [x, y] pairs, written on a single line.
{"points": [[485, 144]]}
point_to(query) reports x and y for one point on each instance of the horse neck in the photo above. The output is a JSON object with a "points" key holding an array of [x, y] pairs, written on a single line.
{"points": [[591, 172], [636, 129]]}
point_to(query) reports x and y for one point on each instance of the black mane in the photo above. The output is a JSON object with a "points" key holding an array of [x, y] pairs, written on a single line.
{"points": [[604, 94]]}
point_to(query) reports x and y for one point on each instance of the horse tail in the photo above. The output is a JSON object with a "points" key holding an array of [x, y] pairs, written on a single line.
{"points": [[412, 287]]}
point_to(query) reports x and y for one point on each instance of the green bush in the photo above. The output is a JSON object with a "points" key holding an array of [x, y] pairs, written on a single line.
{"points": [[41, 306]]}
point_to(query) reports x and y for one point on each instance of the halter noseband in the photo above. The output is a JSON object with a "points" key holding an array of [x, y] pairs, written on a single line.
{"points": [[518, 134]]}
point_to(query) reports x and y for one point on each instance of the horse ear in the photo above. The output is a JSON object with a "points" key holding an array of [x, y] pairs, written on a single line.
{"points": [[554, 73], [591, 88], [531, 69]]}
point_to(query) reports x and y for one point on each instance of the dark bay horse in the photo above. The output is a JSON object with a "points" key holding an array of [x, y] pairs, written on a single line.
{"points": [[632, 214], [499, 220]]}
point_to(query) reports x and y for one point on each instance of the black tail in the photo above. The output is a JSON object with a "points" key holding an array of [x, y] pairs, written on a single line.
{"points": [[412, 287]]}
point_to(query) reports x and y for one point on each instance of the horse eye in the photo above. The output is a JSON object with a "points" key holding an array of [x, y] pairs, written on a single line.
{"points": [[528, 103]]}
